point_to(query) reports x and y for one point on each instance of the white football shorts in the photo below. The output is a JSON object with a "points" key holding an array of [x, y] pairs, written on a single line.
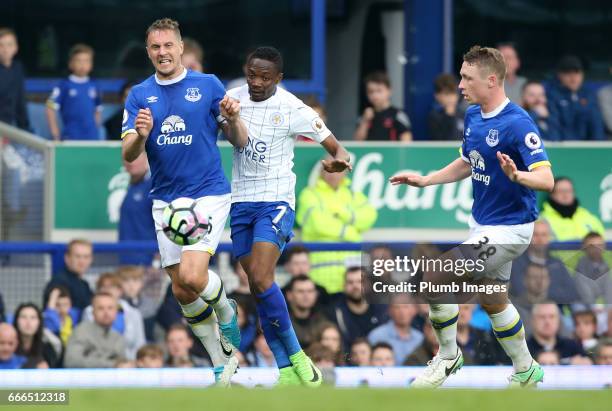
{"points": [[216, 207], [497, 245]]}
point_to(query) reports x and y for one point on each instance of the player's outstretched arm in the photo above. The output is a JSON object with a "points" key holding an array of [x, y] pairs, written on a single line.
{"points": [[341, 160], [234, 129], [455, 171], [540, 178], [133, 144]]}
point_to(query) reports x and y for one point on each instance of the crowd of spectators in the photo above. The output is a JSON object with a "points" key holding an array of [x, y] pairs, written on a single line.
{"points": [[566, 317], [564, 105]]}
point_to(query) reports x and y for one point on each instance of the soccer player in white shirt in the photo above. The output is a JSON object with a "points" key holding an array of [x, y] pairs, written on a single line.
{"points": [[263, 198]]}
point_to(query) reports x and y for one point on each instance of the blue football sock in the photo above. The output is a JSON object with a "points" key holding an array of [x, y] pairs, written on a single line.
{"points": [[275, 344], [275, 307]]}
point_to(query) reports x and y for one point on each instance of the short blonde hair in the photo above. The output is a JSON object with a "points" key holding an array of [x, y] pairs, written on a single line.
{"points": [[488, 59], [80, 48], [77, 241], [163, 24]]}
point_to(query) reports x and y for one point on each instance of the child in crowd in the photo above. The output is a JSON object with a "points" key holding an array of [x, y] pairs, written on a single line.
{"points": [[77, 99]]}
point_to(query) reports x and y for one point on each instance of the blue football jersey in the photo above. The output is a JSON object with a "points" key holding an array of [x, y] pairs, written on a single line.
{"points": [[77, 99], [510, 130], [182, 148]]}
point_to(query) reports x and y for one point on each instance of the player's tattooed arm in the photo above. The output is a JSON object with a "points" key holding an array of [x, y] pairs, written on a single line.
{"points": [[341, 159], [233, 128], [133, 144], [455, 171], [540, 178]]}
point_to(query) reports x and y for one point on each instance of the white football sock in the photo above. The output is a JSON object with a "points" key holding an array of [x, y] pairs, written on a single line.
{"points": [[509, 330], [214, 294], [443, 318], [203, 322]]}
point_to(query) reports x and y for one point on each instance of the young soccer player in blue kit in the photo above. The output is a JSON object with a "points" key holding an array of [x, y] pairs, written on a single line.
{"points": [[263, 199], [503, 153], [77, 99], [174, 115]]}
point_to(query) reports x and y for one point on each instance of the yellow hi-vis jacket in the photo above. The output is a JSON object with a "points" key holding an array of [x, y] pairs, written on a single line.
{"points": [[574, 228], [328, 215]]}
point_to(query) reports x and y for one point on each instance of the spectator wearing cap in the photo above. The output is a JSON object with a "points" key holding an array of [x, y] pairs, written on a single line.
{"points": [[572, 105], [513, 83]]}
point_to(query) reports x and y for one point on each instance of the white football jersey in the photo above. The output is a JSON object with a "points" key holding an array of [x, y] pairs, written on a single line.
{"points": [[263, 170]]}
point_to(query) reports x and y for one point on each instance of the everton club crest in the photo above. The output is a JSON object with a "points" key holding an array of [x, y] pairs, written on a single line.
{"points": [[193, 94], [493, 138]]}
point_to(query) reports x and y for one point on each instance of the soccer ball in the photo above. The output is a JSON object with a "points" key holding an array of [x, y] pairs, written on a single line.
{"points": [[183, 223]]}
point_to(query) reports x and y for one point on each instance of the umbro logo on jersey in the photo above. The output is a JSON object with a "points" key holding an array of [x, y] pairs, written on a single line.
{"points": [[467, 132], [152, 99], [193, 94]]}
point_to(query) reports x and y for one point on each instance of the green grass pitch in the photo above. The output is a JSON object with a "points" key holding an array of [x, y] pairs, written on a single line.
{"points": [[327, 398]]}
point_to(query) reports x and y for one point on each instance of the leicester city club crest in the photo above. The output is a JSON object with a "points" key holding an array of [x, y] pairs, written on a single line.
{"points": [[493, 138], [277, 119], [193, 94]]}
